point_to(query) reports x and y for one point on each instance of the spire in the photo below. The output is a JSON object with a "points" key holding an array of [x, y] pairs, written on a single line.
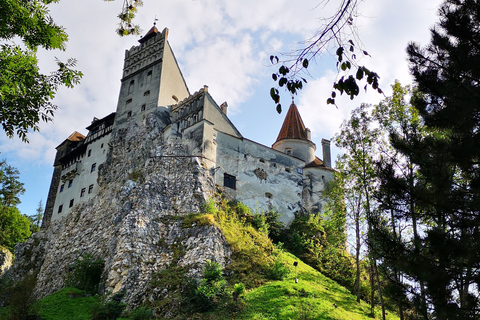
{"points": [[152, 32], [293, 127]]}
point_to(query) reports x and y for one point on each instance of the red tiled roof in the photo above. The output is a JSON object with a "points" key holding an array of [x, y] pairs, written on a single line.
{"points": [[76, 136], [293, 127], [152, 32], [315, 163]]}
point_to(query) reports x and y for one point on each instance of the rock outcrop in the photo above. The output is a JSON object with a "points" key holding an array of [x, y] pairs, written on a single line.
{"points": [[6, 259], [134, 223]]}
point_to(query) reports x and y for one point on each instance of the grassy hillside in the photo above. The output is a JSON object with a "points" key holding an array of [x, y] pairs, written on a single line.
{"points": [[266, 271], [313, 297]]}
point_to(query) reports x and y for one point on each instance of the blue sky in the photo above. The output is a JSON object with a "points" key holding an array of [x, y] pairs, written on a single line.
{"points": [[222, 44]]}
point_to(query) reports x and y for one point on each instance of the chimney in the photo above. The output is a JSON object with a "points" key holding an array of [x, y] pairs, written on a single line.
{"points": [[309, 134], [327, 160], [224, 107]]}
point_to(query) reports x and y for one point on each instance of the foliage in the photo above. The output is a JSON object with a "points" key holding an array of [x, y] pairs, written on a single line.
{"points": [[320, 241], [439, 265], [108, 310], [20, 299], [212, 288], [141, 313], [85, 274], [26, 93], [278, 271], [36, 219], [14, 227], [314, 297], [336, 31], [10, 186]]}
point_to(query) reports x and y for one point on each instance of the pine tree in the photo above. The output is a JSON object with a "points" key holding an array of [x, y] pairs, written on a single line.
{"points": [[443, 256]]}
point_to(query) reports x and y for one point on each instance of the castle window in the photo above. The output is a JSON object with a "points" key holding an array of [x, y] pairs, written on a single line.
{"points": [[71, 204], [229, 181], [93, 167], [128, 101], [262, 160], [82, 193], [129, 114], [101, 146], [90, 188], [70, 182], [60, 208], [62, 187], [89, 153], [149, 76], [287, 169], [131, 86], [143, 107], [146, 93], [288, 151]]}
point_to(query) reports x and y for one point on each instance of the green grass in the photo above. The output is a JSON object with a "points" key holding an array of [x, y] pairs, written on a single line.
{"points": [[313, 297], [253, 255], [67, 303]]}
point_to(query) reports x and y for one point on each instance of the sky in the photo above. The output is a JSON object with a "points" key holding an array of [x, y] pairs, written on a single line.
{"points": [[225, 45]]}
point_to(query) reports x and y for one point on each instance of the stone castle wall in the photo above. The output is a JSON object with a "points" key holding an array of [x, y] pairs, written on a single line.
{"points": [[132, 223]]}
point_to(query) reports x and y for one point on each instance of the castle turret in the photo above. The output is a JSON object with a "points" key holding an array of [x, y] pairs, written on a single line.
{"points": [[294, 139], [151, 78]]}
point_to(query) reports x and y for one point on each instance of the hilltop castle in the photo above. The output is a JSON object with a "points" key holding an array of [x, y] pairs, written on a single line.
{"points": [[287, 177]]}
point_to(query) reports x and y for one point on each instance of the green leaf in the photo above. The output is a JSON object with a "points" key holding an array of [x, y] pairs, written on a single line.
{"points": [[274, 76], [279, 108], [305, 63]]}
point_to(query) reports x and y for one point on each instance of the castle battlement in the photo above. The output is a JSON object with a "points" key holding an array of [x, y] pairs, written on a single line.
{"points": [[154, 90]]}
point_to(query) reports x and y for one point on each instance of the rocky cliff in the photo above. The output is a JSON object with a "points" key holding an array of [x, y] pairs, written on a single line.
{"points": [[134, 223]]}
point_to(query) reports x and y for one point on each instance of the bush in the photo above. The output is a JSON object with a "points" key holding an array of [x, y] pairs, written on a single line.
{"points": [[141, 313], [85, 274], [212, 288], [278, 271], [109, 310]]}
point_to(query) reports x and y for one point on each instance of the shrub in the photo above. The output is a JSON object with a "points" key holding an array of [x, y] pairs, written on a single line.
{"points": [[238, 289], [278, 271], [212, 288], [85, 274], [141, 313], [109, 310]]}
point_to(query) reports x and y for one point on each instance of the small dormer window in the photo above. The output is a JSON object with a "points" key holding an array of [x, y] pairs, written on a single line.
{"points": [[288, 151]]}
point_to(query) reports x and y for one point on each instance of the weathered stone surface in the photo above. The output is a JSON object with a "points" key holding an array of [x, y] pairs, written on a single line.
{"points": [[6, 259], [134, 223]]}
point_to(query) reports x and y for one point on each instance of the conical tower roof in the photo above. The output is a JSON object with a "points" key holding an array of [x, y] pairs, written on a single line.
{"points": [[293, 127]]}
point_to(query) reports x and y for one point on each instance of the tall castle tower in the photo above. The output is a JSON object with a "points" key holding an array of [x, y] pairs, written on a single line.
{"points": [[151, 78], [294, 139]]}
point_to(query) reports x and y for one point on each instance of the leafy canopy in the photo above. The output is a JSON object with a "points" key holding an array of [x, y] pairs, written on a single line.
{"points": [[25, 92]]}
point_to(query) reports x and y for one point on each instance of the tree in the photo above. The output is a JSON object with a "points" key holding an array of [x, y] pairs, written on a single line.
{"points": [[358, 139], [14, 227], [10, 187], [26, 93], [398, 214], [446, 260], [36, 219]]}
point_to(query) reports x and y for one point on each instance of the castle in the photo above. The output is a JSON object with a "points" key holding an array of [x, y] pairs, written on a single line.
{"points": [[287, 177]]}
